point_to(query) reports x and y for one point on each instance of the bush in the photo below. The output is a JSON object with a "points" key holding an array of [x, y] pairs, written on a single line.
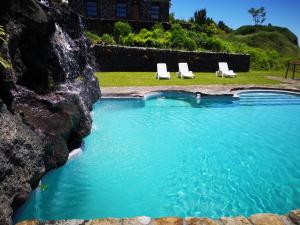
{"points": [[156, 37], [94, 38], [3, 62], [180, 38], [122, 29], [128, 40], [108, 39]]}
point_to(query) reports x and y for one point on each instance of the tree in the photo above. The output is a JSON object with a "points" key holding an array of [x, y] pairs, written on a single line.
{"points": [[172, 18], [259, 15], [122, 29], [200, 17], [224, 27]]}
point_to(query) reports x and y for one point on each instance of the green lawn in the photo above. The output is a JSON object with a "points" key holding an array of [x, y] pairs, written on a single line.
{"points": [[123, 79]]}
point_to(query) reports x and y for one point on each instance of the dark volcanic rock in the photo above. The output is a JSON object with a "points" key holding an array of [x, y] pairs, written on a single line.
{"points": [[45, 97], [21, 160]]}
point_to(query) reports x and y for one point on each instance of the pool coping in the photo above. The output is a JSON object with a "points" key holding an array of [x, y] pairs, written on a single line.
{"points": [[203, 90], [292, 218]]}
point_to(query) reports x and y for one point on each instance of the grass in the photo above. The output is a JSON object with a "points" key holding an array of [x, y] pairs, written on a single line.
{"points": [[126, 79]]}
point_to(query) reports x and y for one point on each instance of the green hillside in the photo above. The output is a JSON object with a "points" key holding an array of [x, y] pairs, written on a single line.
{"points": [[244, 30], [270, 47], [268, 38]]}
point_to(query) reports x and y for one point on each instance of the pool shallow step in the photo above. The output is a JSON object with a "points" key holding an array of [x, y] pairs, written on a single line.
{"points": [[268, 99], [293, 218]]}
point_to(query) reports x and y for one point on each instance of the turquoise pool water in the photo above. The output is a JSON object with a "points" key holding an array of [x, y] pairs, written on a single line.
{"points": [[172, 155]]}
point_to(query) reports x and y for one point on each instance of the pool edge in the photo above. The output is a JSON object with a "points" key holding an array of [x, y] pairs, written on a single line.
{"points": [[141, 92], [292, 218]]}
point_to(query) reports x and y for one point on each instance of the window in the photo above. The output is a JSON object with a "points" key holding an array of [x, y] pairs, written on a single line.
{"points": [[91, 8], [154, 12], [121, 10]]}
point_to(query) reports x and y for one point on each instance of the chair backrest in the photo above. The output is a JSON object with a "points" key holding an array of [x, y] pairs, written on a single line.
{"points": [[183, 67], [162, 68], [223, 66]]}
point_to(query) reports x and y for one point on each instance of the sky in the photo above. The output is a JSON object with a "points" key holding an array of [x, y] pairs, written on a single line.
{"points": [[234, 13]]}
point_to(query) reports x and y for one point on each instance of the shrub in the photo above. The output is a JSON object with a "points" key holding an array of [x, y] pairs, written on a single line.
{"points": [[94, 38], [180, 38], [128, 40], [122, 29], [2, 34], [108, 39], [211, 29], [156, 37], [3, 62], [224, 27]]}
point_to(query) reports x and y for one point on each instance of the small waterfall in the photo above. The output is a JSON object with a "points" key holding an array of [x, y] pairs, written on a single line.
{"points": [[64, 48], [44, 2], [81, 23], [75, 153]]}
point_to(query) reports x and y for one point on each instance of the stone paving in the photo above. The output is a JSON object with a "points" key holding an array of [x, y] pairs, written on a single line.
{"points": [[293, 218], [141, 91]]}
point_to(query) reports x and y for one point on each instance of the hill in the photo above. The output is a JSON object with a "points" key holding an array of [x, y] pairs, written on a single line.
{"points": [[270, 47], [268, 38]]}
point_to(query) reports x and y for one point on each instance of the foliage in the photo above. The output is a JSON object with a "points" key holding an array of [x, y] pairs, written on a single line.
{"points": [[3, 62], [94, 38], [156, 37], [259, 15], [180, 38], [44, 187], [200, 17], [172, 18], [211, 29], [269, 47], [224, 27], [122, 29], [244, 30], [108, 39], [2, 34]]}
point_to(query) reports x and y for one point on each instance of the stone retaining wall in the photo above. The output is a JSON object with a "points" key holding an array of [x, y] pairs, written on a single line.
{"points": [[134, 59], [293, 218]]}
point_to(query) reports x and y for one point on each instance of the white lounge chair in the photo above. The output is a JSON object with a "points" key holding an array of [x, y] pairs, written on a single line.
{"points": [[184, 71], [162, 72], [224, 70]]}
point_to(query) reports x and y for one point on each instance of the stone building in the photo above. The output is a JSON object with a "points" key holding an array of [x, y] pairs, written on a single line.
{"points": [[131, 10]]}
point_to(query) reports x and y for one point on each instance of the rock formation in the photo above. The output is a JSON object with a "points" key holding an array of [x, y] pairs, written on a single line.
{"points": [[45, 96]]}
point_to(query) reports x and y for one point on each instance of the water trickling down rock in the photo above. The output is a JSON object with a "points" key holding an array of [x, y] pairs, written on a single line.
{"points": [[45, 97]]}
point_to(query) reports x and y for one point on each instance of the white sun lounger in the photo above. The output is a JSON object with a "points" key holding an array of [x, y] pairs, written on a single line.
{"points": [[184, 71], [224, 70], [162, 72]]}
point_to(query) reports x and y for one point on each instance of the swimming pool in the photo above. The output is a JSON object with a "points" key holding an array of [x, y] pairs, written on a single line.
{"points": [[172, 154]]}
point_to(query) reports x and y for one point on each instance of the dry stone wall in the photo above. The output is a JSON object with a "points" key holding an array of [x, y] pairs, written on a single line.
{"points": [[134, 59]]}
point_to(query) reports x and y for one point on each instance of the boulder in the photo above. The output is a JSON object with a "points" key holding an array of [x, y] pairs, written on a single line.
{"points": [[45, 96], [235, 221], [295, 216], [266, 219]]}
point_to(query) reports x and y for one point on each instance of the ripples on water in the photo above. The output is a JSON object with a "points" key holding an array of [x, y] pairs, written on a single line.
{"points": [[179, 157]]}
